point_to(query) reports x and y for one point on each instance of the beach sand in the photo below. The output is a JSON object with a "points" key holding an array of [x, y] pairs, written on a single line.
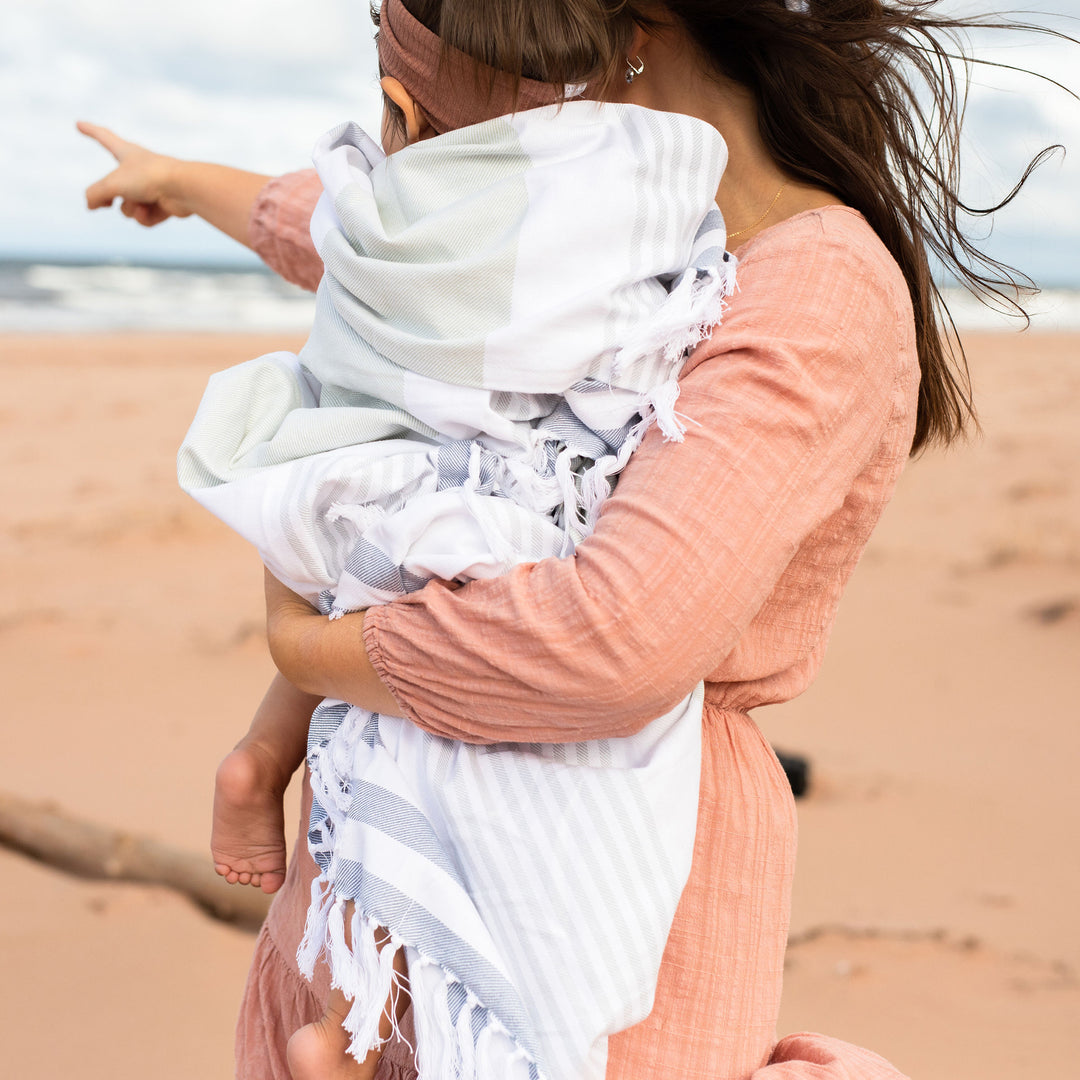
{"points": [[939, 875]]}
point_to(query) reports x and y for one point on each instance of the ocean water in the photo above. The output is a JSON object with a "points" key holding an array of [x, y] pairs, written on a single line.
{"points": [[50, 297], [1056, 309]]}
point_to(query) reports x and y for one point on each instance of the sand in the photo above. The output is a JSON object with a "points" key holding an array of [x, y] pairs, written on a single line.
{"points": [[939, 876]]}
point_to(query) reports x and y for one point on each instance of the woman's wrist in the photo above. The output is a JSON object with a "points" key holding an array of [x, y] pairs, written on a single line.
{"points": [[293, 630], [323, 656]]}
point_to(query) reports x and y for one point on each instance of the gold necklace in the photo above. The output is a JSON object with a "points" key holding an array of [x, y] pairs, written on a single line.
{"points": [[776, 199]]}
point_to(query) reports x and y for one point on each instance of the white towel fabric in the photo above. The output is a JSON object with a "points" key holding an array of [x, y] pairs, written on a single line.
{"points": [[505, 310]]}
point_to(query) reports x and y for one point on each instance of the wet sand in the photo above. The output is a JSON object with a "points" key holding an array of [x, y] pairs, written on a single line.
{"points": [[939, 871]]}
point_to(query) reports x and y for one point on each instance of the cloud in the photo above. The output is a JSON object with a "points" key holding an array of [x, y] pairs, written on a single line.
{"points": [[254, 82], [246, 83], [1013, 114]]}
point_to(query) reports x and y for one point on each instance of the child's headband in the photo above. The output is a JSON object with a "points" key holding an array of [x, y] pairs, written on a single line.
{"points": [[451, 87]]}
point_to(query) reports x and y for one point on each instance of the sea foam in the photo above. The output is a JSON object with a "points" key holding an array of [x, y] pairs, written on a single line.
{"points": [[50, 297]]}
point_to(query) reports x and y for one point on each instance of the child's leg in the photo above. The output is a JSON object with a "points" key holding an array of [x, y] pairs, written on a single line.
{"points": [[320, 1051], [248, 836]]}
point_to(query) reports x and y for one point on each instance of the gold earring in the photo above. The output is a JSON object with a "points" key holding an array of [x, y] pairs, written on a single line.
{"points": [[632, 70]]}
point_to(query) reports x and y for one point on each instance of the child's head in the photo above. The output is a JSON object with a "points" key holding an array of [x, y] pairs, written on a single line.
{"points": [[446, 64]]}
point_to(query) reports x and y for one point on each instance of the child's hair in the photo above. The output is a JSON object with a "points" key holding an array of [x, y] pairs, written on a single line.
{"points": [[558, 42]]}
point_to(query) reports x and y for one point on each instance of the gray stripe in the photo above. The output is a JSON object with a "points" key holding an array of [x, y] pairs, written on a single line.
{"points": [[578, 873], [325, 720], [603, 849], [388, 813], [373, 567], [481, 802], [418, 927]]}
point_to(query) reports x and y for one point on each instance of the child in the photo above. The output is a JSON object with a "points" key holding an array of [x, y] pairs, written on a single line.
{"points": [[503, 315]]}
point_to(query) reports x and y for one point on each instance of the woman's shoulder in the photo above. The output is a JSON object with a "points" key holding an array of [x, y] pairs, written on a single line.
{"points": [[823, 270], [833, 223], [820, 296], [832, 243]]}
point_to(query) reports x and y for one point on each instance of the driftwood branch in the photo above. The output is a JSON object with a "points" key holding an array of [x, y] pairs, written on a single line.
{"points": [[44, 833]]}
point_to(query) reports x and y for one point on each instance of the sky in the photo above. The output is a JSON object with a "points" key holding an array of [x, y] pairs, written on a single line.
{"points": [[253, 83]]}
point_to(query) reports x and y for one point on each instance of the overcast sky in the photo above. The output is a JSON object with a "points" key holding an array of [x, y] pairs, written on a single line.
{"points": [[254, 82]]}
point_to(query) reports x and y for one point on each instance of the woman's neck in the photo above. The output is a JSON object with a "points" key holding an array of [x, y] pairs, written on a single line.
{"points": [[755, 191]]}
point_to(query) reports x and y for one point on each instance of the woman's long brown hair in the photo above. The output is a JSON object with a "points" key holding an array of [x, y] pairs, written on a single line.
{"points": [[861, 97], [866, 99]]}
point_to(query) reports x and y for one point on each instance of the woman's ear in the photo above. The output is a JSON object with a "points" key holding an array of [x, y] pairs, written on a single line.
{"points": [[629, 65], [417, 125], [637, 42]]}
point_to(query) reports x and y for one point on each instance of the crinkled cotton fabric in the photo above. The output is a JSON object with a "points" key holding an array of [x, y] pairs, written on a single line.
{"points": [[805, 398], [503, 316]]}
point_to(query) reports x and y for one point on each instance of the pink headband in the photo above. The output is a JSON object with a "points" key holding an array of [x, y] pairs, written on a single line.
{"points": [[450, 86]]}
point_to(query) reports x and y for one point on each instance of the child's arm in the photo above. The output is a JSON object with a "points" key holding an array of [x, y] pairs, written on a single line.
{"points": [[153, 187]]}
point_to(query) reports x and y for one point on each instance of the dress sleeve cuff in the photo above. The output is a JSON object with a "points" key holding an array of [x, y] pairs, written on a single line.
{"points": [[278, 228], [374, 618]]}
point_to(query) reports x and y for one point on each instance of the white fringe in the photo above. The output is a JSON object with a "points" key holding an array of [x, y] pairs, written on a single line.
{"points": [[364, 970], [568, 489], [365, 973], [362, 515], [311, 944], [687, 318], [661, 401]]}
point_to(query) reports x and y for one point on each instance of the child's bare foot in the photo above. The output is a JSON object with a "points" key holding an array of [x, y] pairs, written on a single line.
{"points": [[247, 840], [320, 1051]]}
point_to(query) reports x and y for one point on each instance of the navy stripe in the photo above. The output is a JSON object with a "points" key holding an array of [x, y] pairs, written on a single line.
{"points": [[415, 925], [393, 816]]}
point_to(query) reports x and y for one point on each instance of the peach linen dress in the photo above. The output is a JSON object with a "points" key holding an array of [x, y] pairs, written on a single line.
{"points": [[722, 558]]}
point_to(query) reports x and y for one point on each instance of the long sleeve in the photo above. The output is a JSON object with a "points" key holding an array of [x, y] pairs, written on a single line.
{"points": [[809, 1056], [798, 414], [279, 227], [723, 558]]}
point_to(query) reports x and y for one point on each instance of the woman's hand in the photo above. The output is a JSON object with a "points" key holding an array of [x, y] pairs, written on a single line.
{"points": [[154, 187], [322, 656], [144, 182]]}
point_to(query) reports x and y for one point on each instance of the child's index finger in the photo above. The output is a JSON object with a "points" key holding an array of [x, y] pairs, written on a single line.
{"points": [[106, 138]]}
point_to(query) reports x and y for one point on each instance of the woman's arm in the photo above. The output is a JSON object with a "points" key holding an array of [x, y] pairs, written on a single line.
{"points": [[322, 656], [787, 405], [279, 227]]}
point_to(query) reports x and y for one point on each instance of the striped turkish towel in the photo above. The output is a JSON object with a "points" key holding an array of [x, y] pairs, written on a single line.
{"points": [[504, 312]]}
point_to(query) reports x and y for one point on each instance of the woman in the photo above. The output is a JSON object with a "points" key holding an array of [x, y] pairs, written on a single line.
{"points": [[720, 558]]}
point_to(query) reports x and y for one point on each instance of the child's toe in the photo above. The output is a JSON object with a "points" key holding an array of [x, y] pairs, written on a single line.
{"points": [[272, 881]]}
